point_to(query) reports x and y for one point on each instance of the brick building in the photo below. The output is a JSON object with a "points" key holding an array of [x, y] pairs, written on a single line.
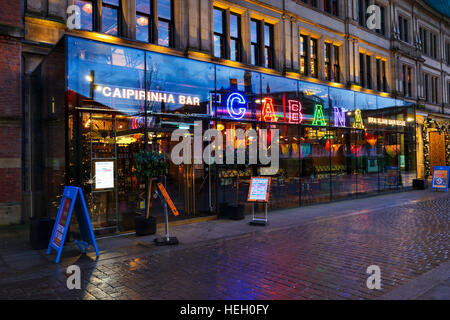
{"points": [[319, 42]]}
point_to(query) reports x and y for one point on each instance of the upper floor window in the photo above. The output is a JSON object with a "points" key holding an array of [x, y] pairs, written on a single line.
{"points": [[403, 28], [87, 10], [304, 55], [433, 45], [110, 17], [143, 21], [331, 6], [165, 23], [314, 59], [447, 50], [381, 75], [268, 45], [311, 2], [235, 37], [365, 70], [426, 87], [255, 39], [222, 49], [149, 29], [407, 81], [364, 15], [423, 34], [337, 65], [327, 55], [434, 90]]}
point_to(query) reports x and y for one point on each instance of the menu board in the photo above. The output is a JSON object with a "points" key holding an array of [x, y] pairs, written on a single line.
{"points": [[61, 225], [104, 174], [259, 189], [440, 178]]}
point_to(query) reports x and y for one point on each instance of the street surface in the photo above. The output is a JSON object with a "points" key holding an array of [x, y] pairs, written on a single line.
{"points": [[322, 259]]}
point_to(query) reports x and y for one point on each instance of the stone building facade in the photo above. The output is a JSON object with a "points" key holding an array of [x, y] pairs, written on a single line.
{"points": [[327, 42]]}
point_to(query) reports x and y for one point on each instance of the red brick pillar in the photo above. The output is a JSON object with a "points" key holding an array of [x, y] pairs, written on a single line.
{"points": [[11, 31]]}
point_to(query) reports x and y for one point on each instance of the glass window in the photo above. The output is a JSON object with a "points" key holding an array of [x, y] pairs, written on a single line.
{"points": [[314, 59], [165, 23], [182, 92], [362, 70], [369, 71], [304, 55], [327, 55], [255, 36], [219, 33], [143, 20], [268, 45], [235, 37], [247, 86], [337, 65], [87, 10], [110, 17]]}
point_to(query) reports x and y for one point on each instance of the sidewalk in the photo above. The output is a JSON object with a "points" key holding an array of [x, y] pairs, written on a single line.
{"points": [[19, 263]]}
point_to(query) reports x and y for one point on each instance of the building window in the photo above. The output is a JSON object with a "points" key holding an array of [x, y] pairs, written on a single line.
{"points": [[337, 65], [362, 70], [424, 40], [143, 21], [87, 10], [448, 55], [434, 90], [379, 74], [255, 41], [426, 87], [407, 81], [403, 28], [219, 33], [433, 45], [313, 58], [150, 29], [165, 23], [268, 45], [235, 37], [369, 72], [110, 17], [327, 55], [331, 6], [383, 75], [304, 55], [312, 3], [382, 22]]}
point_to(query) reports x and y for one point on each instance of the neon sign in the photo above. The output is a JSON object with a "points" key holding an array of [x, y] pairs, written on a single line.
{"points": [[138, 122], [319, 119], [339, 117], [391, 122], [358, 124], [268, 112], [295, 114], [236, 98]]}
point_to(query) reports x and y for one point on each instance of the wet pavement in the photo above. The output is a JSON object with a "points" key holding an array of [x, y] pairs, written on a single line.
{"points": [[322, 258]]}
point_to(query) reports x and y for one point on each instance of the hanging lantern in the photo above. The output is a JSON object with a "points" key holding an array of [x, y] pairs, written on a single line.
{"points": [[370, 138]]}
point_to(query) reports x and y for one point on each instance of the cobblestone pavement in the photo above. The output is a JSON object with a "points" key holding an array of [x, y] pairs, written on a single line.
{"points": [[319, 260]]}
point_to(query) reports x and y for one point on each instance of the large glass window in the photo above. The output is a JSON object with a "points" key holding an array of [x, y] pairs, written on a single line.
{"points": [[110, 17], [327, 56], [337, 65]]}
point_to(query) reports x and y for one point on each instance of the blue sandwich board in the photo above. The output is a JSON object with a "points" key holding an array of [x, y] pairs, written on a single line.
{"points": [[440, 178], [72, 199]]}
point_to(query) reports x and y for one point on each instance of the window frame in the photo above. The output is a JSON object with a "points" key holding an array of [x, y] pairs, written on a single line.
{"points": [[170, 23], [118, 9], [269, 50]]}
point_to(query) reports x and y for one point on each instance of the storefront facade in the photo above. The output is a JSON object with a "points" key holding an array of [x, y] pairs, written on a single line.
{"points": [[101, 103]]}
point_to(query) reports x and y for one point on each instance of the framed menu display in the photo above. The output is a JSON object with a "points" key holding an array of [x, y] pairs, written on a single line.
{"points": [[104, 174], [259, 189], [440, 178]]}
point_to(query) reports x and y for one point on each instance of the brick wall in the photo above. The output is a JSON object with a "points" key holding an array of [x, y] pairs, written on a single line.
{"points": [[10, 13], [10, 113]]}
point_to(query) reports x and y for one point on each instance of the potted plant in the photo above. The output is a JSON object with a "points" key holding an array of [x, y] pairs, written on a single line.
{"points": [[149, 166]]}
